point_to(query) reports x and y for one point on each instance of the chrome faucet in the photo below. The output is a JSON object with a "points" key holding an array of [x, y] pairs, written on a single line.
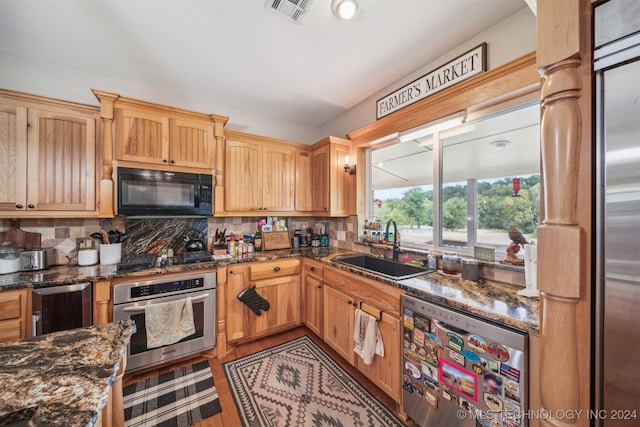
{"points": [[396, 246]]}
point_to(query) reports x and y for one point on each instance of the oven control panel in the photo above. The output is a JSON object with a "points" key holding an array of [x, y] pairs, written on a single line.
{"points": [[168, 287], [162, 287]]}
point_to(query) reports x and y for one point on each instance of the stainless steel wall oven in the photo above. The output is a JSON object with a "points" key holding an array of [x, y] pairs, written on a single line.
{"points": [[131, 298]]}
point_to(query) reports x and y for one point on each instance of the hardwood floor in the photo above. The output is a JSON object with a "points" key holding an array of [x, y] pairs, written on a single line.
{"points": [[229, 415]]}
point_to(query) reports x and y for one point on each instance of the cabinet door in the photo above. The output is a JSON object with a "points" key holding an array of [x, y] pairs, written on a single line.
{"points": [[62, 164], [191, 143], [14, 315], [385, 371], [312, 304], [237, 312], [243, 186], [278, 184], [303, 181], [320, 180], [141, 137], [13, 158], [339, 188], [283, 294], [338, 322]]}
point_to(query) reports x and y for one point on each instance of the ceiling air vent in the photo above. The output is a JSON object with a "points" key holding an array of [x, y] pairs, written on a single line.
{"points": [[293, 10]]}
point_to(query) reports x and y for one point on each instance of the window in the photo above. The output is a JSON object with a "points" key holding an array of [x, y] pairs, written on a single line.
{"points": [[463, 186]]}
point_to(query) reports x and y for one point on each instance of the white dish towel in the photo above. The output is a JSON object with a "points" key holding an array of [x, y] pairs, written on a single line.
{"points": [[168, 322], [367, 338]]}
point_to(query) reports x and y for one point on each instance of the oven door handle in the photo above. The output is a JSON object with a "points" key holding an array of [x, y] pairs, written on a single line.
{"points": [[141, 308]]}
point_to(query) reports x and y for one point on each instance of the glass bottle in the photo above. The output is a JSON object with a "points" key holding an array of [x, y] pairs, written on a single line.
{"points": [[257, 240]]}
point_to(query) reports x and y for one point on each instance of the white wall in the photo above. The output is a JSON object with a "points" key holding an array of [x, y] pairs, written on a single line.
{"points": [[37, 78], [508, 40]]}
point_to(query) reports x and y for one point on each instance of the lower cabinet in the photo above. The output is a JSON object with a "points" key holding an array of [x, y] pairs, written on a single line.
{"points": [[339, 315], [312, 298], [276, 281], [237, 312], [15, 312], [343, 293]]}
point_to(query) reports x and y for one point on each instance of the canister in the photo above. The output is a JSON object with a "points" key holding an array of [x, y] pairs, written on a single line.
{"points": [[470, 269], [450, 263]]}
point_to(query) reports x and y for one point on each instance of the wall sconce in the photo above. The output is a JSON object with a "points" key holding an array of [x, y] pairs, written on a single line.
{"points": [[350, 169]]}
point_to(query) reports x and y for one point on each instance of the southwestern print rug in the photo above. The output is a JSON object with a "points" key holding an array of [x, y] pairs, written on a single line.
{"points": [[297, 384]]}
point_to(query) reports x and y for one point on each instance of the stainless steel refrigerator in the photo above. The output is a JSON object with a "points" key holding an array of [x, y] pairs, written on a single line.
{"points": [[617, 211]]}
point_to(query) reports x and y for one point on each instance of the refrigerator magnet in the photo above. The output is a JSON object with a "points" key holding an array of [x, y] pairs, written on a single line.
{"points": [[459, 379], [498, 352], [493, 402], [431, 398]]}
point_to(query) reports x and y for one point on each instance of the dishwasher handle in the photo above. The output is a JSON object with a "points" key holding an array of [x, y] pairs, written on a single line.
{"points": [[449, 328], [53, 290]]}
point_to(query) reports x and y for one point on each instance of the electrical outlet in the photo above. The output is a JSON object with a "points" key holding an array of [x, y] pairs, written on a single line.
{"points": [[85, 243], [342, 236]]}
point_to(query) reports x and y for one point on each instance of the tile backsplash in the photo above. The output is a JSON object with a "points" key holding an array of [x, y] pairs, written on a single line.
{"points": [[154, 234]]}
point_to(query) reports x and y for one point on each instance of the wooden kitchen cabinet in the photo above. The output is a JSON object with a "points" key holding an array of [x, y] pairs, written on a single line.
{"points": [[304, 178], [338, 316], [343, 293], [237, 311], [312, 298], [152, 135], [51, 154], [279, 283], [259, 175], [333, 190], [276, 281], [15, 314]]}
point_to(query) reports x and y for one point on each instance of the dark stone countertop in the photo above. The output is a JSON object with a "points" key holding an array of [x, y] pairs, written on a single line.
{"points": [[61, 378], [489, 299]]}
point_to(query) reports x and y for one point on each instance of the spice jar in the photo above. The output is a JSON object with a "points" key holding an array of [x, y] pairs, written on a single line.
{"points": [[451, 263]]}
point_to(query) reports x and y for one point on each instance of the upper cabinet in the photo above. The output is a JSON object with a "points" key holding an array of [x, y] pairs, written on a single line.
{"points": [[332, 189], [259, 175], [49, 159], [146, 135], [143, 135]]}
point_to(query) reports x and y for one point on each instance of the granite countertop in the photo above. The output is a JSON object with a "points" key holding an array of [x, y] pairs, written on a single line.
{"points": [[67, 274], [492, 300], [61, 378]]}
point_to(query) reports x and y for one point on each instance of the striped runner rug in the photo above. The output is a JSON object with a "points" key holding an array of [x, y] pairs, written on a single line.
{"points": [[178, 398]]}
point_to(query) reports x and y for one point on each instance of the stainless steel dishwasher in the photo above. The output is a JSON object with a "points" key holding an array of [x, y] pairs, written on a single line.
{"points": [[58, 308], [459, 370]]}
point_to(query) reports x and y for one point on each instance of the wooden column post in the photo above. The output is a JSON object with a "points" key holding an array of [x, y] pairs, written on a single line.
{"points": [[106, 181], [563, 253]]}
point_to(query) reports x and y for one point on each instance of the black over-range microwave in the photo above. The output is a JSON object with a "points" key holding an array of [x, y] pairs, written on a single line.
{"points": [[155, 192]]}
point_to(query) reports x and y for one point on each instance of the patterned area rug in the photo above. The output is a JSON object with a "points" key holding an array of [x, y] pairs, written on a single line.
{"points": [[178, 398], [297, 384]]}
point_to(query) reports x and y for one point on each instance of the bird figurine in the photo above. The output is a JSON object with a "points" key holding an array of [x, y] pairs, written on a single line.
{"points": [[516, 236]]}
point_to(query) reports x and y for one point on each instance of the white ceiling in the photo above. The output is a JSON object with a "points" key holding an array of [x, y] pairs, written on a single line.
{"points": [[240, 54]]}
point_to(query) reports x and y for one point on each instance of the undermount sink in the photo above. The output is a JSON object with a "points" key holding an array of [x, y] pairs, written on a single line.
{"points": [[384, 267]]}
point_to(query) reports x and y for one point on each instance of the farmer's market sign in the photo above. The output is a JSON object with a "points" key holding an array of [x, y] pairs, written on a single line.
{"points": [[466, 65]]}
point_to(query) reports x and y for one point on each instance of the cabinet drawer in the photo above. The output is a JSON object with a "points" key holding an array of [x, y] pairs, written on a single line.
{"points": [[282, 267], [314, 268], [11, 304], [10, 330]]}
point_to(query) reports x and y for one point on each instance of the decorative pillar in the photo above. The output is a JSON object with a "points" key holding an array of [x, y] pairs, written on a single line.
{"points": [[562, 238], [107, 101]]}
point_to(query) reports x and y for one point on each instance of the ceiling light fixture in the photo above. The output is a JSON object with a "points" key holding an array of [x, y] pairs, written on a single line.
{"points": [[499, 144], [346, 9]]}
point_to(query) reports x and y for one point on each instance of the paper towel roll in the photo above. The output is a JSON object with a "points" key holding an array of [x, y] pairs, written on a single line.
{"points": [[531, 266]]}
